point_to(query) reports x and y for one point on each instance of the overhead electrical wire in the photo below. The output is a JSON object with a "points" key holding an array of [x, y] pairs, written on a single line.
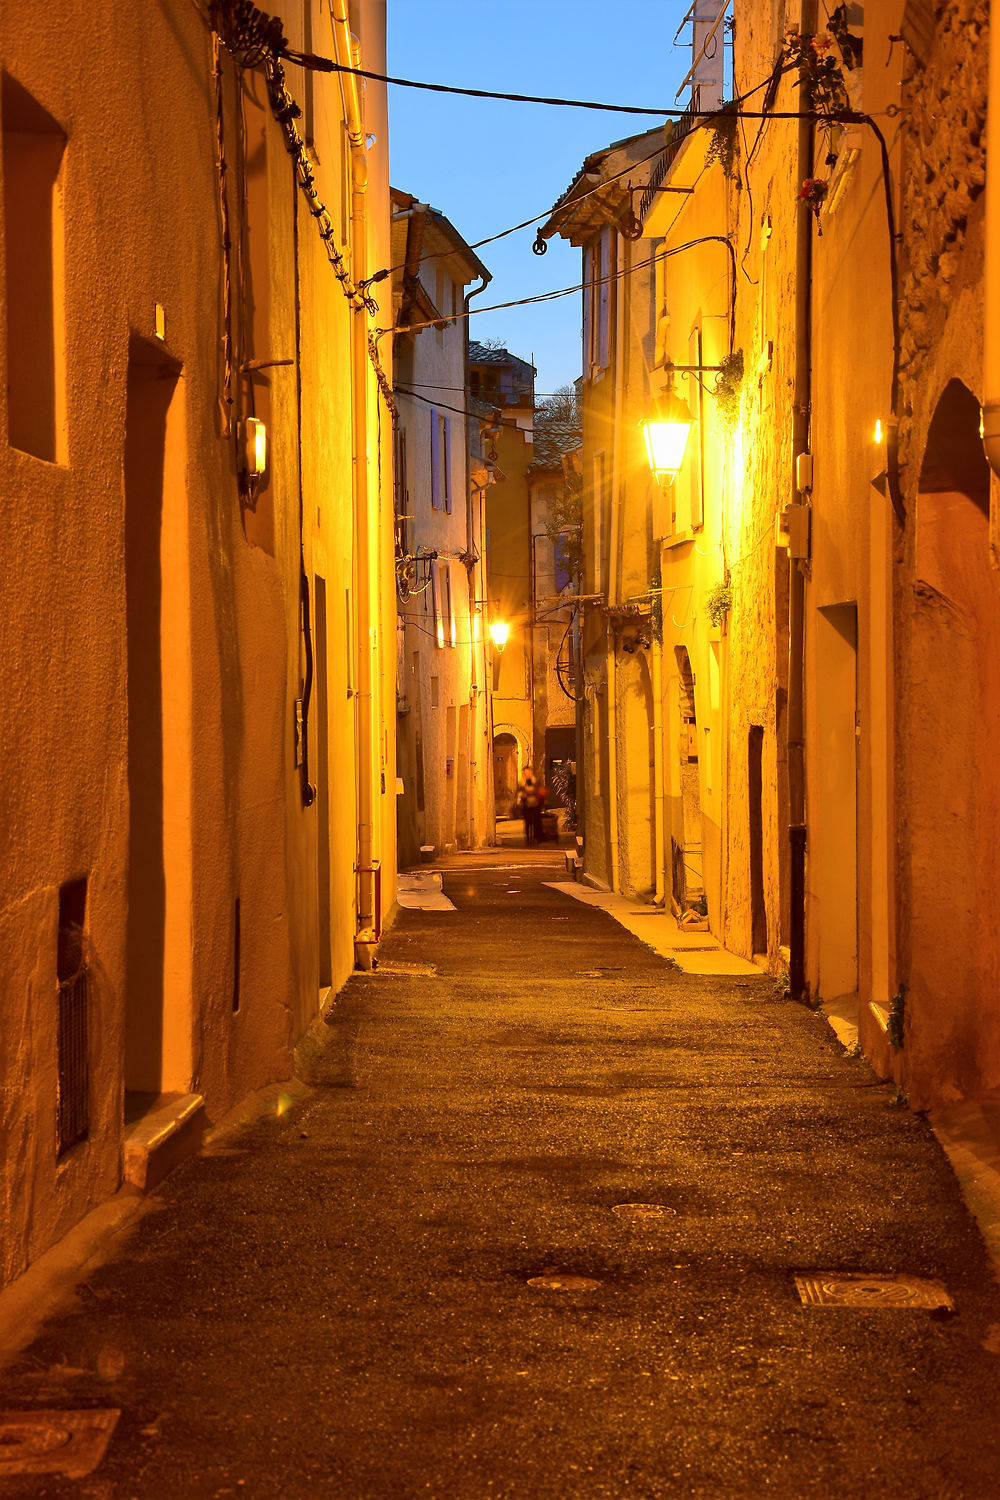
{"points": [[317, 64], [524, 224], [460, 411], [554, 295], [314, 63]]}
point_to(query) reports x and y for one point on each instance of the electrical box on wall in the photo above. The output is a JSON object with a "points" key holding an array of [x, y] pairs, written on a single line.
{"points": [[798, 519]]}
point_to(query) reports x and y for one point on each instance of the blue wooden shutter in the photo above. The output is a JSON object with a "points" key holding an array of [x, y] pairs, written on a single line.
{"points": [[446, 464]]}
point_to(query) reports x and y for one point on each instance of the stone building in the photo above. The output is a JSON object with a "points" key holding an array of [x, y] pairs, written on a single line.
{"points": [[827, 700], [197, 616], [442, 690], [505, 384], [624, 797]]}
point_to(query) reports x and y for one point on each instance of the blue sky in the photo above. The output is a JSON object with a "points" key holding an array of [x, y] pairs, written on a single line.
{"points": [[487, 165]]}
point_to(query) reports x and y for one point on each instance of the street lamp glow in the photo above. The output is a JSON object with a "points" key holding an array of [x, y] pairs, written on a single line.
{"points": [[499, 632], [665, 436]]}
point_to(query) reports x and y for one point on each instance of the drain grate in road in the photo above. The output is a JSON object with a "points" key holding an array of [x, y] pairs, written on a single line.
{"points": [[643, 1211], [70, 1443], [409, 970], [864, 1289], [557, 1283]]}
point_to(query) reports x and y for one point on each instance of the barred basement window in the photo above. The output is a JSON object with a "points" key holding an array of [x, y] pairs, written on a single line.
{"points": [[73, 977]]}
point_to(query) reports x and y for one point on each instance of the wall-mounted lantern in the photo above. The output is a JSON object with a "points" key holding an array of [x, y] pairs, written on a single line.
{"points": [[253, 448], [666, 435]]}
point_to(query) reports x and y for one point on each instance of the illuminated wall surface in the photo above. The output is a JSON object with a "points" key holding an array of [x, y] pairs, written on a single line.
{"points": [[689, 749], [198, 703]]}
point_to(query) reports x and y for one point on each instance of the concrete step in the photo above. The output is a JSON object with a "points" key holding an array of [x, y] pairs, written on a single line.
{"points": [[161, 1138]]}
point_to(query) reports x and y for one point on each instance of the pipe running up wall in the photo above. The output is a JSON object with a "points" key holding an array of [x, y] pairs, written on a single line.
{"points": [[801, 399]]}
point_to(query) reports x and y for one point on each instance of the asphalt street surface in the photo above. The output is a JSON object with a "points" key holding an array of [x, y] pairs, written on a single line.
{"points": [[336, 1300]]}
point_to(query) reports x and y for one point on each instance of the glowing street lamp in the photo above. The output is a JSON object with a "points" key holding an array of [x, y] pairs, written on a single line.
{"points": [[499, 631], [665, 436]]}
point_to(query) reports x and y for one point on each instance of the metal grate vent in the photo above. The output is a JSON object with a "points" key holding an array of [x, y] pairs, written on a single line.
{"points": [[868, 1289], [74, 1073]]}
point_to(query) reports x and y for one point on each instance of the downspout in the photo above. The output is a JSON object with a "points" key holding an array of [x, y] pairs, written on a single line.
{"points": [[368, 843], [478, 753], [802, 395], [614, 575], [991, 268], [659, 893]]}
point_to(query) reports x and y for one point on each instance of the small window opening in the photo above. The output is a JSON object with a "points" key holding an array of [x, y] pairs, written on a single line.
{"points": [[33, 146], [73, 978]]}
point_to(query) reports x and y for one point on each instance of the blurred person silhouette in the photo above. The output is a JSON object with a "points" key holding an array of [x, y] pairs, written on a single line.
{"points": [[529, 804]]}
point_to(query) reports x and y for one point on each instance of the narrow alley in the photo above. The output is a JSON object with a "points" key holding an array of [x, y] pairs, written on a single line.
{"points": [[528, 1225]]}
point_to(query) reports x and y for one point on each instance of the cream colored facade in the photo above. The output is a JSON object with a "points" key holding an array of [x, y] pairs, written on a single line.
{"points": [[442, 689], [198, 708], [814, 766]]}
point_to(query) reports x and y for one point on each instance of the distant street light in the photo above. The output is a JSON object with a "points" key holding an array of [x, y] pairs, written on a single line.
{"points": [[499, 631]]}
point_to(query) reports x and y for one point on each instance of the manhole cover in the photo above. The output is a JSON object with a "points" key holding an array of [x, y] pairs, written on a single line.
{"points": [[54, 1442], [643, 1211], [564, 1283], [864, 1289], [410, 969]]}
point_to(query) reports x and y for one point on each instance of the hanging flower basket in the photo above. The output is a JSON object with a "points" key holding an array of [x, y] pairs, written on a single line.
{"points": [[813, 192]]}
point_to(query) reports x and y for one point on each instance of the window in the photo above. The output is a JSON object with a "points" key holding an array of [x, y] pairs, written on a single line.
{"points": [[597, 305], [442, 603], [33, 146], [661, 314], [440, 462], [600, 524], [560, 556]]}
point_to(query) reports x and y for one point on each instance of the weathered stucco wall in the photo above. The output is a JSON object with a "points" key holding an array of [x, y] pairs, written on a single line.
{"points": [[945, 596], [151, 626]]}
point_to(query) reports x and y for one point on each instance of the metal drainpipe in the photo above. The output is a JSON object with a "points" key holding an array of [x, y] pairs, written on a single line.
{"points": [[659, 821], [473, 550], [802, 396], [991, 267], [367, 838]]}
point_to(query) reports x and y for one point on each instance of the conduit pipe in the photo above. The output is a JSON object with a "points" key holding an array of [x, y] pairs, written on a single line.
{"points": [[368, 842], [801, 400], [991, 268]]}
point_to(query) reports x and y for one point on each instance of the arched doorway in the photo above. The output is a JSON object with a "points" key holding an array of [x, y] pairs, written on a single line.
{"points": [[505, 773], [949, 716]]}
